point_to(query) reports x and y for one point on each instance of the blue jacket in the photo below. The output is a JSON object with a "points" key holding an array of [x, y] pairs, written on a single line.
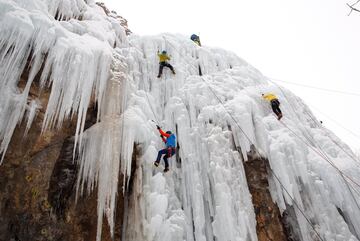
{"points": [[171, 141]]}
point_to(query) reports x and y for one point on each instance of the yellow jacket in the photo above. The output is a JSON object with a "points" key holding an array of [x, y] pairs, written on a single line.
{"points": [[163, 57], [269, 97]]}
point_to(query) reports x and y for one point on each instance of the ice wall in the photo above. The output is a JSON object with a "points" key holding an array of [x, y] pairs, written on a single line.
{"points": [[206, 197], [71, 57], [66, 48], [214, 106]]}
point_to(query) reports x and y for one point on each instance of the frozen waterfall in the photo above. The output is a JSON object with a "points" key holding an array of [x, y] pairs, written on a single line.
{"points": [[213, 104]]}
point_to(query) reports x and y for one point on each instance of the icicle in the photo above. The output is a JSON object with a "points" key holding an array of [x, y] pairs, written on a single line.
{"points": [[74, 66], [31, 113], [217, 117], [66, 9]]}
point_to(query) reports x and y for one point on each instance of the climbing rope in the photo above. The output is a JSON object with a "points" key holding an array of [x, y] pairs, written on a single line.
{"points": [[317, 88], [320, 126], [320, 152], [247, 137], [164, 86], [343, 175], [356, 159], [219, 100], [334, 121], [186, 63], [151, 108], [146, 93], [315, 122], [297, 205]]}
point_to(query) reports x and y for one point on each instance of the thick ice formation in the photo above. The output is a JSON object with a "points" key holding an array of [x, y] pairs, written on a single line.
{"points": [[208, 189], [71, 44], [74, 57], [214, 106], [206, 195]]}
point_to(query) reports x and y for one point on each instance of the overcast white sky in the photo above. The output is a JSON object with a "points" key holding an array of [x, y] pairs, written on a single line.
{"points": [[305, 41]]}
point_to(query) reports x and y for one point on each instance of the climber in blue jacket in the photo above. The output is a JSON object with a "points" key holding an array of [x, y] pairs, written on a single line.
{"points": [[196, 39], [170, 140]]}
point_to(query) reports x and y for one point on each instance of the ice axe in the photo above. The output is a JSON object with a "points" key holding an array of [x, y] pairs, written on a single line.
{"points": [[157, 125]]}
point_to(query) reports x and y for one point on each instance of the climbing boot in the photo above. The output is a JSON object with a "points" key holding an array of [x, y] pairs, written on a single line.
{"points": [[280, 116], [156, 164], [159, 76], [166, 169], [173, 72]]}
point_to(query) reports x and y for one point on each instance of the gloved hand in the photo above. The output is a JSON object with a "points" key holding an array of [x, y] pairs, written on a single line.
{"points": [[158, 127], [161, 136]]}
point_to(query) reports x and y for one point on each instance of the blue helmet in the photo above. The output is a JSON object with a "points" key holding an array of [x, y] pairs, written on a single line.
{"points": [[194, 37]]}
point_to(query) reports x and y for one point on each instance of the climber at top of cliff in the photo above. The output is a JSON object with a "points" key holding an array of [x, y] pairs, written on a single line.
{"points": [[163, 57], [196, 39], [170, 140], [275, 103]]}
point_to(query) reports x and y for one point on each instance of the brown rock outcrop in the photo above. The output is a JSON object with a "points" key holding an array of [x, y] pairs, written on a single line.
{"points": [[269, 225], [123, 22], [37, 186]]}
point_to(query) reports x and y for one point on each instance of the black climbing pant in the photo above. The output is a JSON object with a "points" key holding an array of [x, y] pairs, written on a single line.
{"points": [[165, 64], [275, 107], [167, 152]]}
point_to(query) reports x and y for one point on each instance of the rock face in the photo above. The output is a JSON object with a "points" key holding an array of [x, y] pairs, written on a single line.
{"points": [[269, 225], [123, 22], [37, 191]]}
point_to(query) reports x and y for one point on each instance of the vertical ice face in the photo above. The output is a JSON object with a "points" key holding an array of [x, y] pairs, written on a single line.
{"points": [[189, 205], [206, 196], [213, 104], [66, 46], [66, 9], [74, 58], [320, 173]]}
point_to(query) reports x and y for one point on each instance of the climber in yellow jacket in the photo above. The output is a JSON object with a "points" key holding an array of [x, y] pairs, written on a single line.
{"points": [[275, 104], [163, 57]]}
